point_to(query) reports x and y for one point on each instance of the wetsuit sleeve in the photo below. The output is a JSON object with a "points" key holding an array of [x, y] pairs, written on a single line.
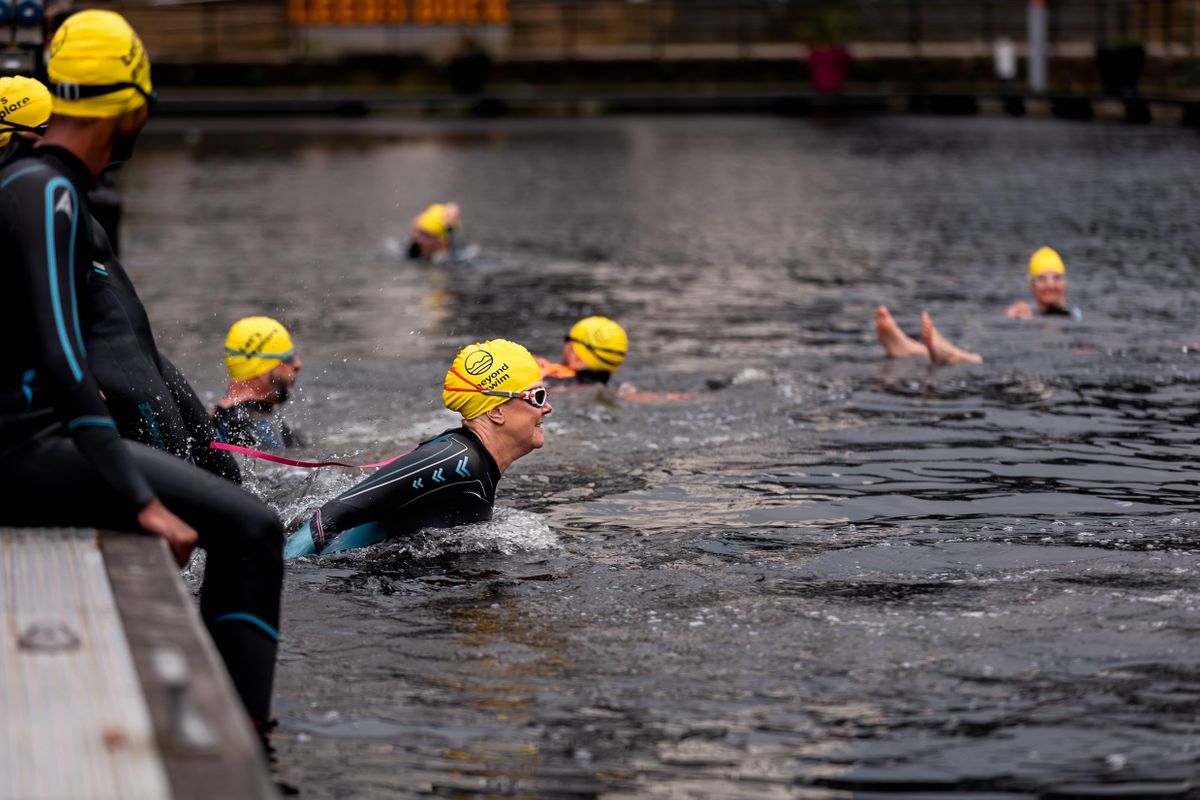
{"points": [[43, 218], [444, 468], [201, 432]]}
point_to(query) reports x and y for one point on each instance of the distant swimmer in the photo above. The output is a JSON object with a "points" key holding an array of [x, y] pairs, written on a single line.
{"points": [[451, 479], [263, 366], [435, 230], [1048, 282], [62, 462], [592, 351]]}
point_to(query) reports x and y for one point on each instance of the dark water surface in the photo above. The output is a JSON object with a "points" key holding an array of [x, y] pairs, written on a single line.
{"points": [[824, 575]]}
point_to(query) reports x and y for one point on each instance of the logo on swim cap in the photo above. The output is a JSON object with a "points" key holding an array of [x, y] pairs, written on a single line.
{"points": [[479, 362]]}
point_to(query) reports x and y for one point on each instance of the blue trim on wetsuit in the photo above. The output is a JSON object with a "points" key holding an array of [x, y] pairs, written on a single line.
{"points": [[52, 259], [242, 616], [90, 422], [27, 387], [19, 173]]}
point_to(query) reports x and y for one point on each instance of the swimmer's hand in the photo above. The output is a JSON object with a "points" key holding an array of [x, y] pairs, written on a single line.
{"points": [[1019, 310], [180, 537]]}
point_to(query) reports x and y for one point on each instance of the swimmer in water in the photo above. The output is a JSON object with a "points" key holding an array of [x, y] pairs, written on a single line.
{"points": [[62, 462], [1047, 281], [451, 479], [592, 351], [435, 230], [263, 366]]}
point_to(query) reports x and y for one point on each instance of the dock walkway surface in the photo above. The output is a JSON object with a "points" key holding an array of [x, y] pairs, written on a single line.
{"points": [[109, 684]]}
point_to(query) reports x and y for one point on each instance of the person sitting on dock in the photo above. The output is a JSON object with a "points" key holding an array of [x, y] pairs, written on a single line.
{"points": [[263, 366], [592, 351], [435, 230], [1048, 282], [451, 479], [147, 396], [60, 452]]}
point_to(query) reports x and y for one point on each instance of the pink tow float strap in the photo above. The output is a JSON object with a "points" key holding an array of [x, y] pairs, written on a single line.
{"points": [[295, 462]]}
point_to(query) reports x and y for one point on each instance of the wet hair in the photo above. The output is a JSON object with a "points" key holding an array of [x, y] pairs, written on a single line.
{"points": [[414, 249]]}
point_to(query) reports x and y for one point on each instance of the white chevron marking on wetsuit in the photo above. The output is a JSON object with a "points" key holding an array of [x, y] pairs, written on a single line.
{"points": [[424, 466], [64, 205]]}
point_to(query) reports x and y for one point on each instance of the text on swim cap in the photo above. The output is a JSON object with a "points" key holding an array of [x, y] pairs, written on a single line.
{"points": [[496, 378], [7, 108]]}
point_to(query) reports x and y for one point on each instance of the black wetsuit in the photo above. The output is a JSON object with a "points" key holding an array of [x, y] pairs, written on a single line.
{"points": [[1074, 312], [147, 396], [256, 424], [62, 462], [447, 481]]}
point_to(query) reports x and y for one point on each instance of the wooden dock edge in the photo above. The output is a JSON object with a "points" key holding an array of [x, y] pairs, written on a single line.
{"points": [[158, 614]]}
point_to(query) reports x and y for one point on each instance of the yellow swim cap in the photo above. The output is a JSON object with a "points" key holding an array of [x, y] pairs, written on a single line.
{"points": [[98, 67], [1046, 260], [433, 220], [255, 346], [600, 342], [24, 106], [495, 365]]}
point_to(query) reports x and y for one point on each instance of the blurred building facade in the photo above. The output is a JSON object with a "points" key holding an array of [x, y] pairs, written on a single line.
{"points": [[271, 30]]}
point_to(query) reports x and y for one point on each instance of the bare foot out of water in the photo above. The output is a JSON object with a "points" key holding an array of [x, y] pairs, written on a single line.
{"points": [[896, 342], [940, 350]]}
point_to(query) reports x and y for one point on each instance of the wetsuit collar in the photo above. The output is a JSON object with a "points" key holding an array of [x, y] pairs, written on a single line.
{"points": [[71, 164], [486, 457]]}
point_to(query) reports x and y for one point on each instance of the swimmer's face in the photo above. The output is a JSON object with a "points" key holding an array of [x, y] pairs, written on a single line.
{"points": [[527, 419], [571, 359], [283, 377], [1049, 289]]}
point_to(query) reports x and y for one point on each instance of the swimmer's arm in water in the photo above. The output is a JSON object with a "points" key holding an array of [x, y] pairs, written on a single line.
{"points": [[1019, 310], [629, 392]]}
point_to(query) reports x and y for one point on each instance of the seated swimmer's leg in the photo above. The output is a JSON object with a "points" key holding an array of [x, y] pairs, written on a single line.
{"points": [[940, 350], [243, 538], [896, 342], [243, 575]]}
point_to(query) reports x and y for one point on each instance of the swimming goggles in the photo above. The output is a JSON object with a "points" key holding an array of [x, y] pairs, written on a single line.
{"points": [[286, 358], [1049, 277], [599, 351], [17, 127], [536, 396], [76, 91]]}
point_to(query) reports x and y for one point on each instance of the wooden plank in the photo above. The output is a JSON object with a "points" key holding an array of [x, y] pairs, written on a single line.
{"points": [[74, 720], [161, 616]]}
